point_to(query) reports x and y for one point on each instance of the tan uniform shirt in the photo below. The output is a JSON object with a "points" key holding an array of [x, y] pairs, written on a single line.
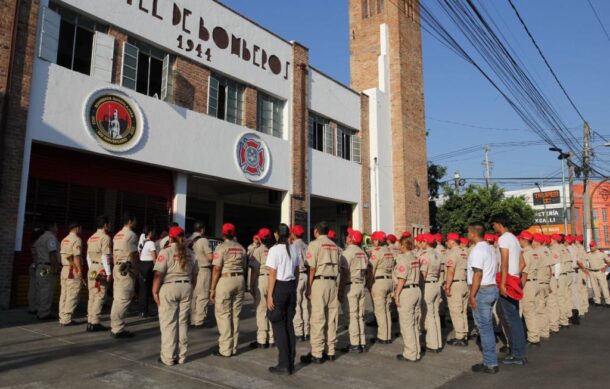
{"points": [[545, 263], [202, 250], [532, 261], [70, 248], [457, 258], [258, 260], [441, 253], [556, 254], [230, 256], [407, 268], [323, 256], [47, 243], [382, 261], [97, 245], [430, 263], [125, 243], [354, 260], [301, 248], [566, 260], [597, 260], [164, 242], [582, 254], [168, 263]]}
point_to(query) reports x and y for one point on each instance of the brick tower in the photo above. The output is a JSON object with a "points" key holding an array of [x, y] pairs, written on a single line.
{"points": [[390, 29]]}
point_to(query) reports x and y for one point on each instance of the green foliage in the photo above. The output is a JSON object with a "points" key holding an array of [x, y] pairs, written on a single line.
{"points": [[435, 175], [478, 204]]}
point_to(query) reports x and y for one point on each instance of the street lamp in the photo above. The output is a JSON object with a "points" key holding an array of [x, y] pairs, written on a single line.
{"points": [[544, 205], [562, 157]]}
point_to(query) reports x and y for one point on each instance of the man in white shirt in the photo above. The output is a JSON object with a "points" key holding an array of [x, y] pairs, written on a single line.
{"points": [[481, 278], [510, 266]]}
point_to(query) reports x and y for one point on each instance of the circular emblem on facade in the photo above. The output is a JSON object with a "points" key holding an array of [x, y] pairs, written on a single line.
{"points": [[253, 157], [113, 120]]}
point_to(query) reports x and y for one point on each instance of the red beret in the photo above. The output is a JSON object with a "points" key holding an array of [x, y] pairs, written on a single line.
{"points": [[406, 234], [557, 237], [592, 244], [570, 238], [355, 236], [391, 238], [264, 233], [489, 237], [579, 238], [378, 235], [526, 235], [453, 236], [539, 238], [228, 228], [438, 237], [175, 232], [429, 238], [332, 234], [298, 230], [463, 241]]}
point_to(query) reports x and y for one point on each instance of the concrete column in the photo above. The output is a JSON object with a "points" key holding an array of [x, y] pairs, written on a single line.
{"points": [[286, 216], [179, 202]]}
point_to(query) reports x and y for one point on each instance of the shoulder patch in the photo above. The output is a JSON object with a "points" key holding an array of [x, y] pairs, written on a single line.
{"points": [[309, 255], [216, 255], [161, 258], [424, 261], [401, 268], [450, 262]]}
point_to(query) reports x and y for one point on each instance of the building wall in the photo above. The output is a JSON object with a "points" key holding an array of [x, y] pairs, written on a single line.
{"points": [[331, 99], [600, 192]]}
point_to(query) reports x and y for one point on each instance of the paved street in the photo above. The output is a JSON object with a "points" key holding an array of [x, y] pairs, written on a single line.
{"points": [[43, 355]]}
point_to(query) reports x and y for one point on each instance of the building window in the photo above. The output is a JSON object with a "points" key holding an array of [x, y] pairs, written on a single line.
{"points": [[595, 215], [270, 115], [318, 126], [75, 43], [145, 69], [606, 236], [604, 215], [348, 144], [365, 9], [596, 234], [380, 4], [226, 99]]}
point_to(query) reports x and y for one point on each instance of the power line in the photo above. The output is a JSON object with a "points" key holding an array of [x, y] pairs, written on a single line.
{"points": [[599, 20], [475, 126]]}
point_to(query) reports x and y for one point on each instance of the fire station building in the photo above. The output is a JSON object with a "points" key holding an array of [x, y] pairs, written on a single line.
{"points": [[186, 110]]}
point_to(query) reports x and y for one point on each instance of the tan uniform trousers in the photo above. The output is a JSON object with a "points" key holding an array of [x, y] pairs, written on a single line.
{"points": [[324, 317], [564, 299], [553, 305], [542, 319], [458, 308], [583, 292], [264, 332], [575, 292], [600, 287], [354, 306], [68, 299], [432, 297], [96, 301], [44, 289], [174, 311], [227, 307], [410, 299], [528, 305], [32, 295], [201, 296], [382, 297], [301, 317], [123, 291]]}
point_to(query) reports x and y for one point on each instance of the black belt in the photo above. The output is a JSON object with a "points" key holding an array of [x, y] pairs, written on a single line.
{"points": [[595, 270], [383, 277], [354, 282], [570, 272], [410, 286], [458, 281], [263, 275], [205, 267], [178, 282], [232, 274], [487, 286], [532, 279], [303, 272], [324, 278], [563, 274], [431, 282], [544, 283]]}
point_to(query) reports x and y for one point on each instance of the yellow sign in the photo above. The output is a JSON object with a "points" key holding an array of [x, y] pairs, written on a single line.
{"points": [[549, 229]]}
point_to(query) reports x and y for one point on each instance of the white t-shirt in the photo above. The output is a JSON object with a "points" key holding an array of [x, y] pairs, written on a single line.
{"points": [[284, 265], [483, 257], [510, 242], [147, 250]]}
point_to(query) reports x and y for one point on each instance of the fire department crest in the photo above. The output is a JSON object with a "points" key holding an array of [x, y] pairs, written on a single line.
{"points": [[252, 157], [113, 121]]}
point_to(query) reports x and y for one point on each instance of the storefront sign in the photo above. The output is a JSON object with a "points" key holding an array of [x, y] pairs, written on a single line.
{"points": [[549, 229], [549, 216], [252, 157], [113, 120], [550, 197]]}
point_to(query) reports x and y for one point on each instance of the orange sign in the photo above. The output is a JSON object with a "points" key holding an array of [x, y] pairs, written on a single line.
{"points": [[549, 229]]}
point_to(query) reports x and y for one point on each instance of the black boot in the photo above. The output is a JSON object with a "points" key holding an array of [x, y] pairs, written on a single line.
{"points": [[575, 319], [443, 324]]}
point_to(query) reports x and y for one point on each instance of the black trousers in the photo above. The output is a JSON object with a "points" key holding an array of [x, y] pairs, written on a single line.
{"points": [[285, 300], [146, 281]]}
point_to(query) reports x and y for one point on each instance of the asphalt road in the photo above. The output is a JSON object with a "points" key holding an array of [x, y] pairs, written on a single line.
{"points": [[43, 355]]}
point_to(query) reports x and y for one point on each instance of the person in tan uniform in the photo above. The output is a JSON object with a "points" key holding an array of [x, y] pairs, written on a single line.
{"points": [[100, 274], [46, 249], [583, 275], [456, 289], [430, 268], [32, 295], [561, 255], [322, 290], [544, 275], [71, 274], [380, 277], [553, 298], [175, 273], [259, 284], [354, 264], [441, 253], [407, 295], [201, 291], [164, 241], [301, 317], [227, 290], [598, 263], [125, 257], [529, 280]]}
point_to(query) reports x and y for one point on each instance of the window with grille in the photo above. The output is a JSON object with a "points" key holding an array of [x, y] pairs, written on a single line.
{"points": [[226, 99], [145, 69], [270, 115], [318, 127]]}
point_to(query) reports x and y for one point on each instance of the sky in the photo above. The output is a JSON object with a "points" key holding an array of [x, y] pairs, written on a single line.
{"points": [[458, 100]]}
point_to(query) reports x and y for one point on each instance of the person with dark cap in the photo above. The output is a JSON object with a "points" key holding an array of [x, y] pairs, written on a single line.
{"points": [[201, 291], [259, 282], [174, 277], [283, 267], [100, 273], [301, 317], [227, 290], [71, 274], [380, 276], [354, 264]]}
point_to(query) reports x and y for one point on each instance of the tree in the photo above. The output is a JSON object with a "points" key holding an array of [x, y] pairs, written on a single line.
{"points": [[435, 175], [478, 204]]}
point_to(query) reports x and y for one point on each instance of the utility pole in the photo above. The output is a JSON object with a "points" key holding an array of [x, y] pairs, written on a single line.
{"points": [[487, 164], [571, 189], [586, 169], [456, 181]]}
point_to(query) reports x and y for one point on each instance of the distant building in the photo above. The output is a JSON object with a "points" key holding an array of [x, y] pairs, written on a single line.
{"points": [[548, 204]]}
